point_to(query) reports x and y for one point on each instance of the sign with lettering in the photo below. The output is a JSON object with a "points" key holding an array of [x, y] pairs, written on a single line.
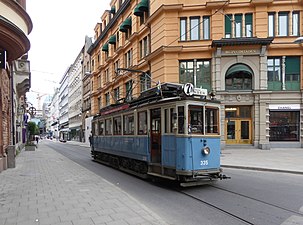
{"points": [[284, 107], [242, 52], [2, 59], [190, 90]]}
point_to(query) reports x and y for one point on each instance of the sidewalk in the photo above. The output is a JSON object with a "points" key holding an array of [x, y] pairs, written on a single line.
{"points": [[47, 188], [277, 159]]}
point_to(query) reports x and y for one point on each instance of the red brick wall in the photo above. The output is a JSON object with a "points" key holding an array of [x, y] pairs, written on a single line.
{"points": [[5, 108]]}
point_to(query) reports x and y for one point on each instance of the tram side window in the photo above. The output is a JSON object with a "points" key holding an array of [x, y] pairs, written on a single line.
{"points": [[129, 126], [166, 122], [170, 119], [101, 127], [196, 119], [108, 127], [95, 128], [211, 120], [181, 119], [117, 125], [142, 123]]}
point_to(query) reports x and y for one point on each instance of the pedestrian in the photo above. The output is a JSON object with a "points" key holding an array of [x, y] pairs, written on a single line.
{"points": [[37, 139], [90, 138]]}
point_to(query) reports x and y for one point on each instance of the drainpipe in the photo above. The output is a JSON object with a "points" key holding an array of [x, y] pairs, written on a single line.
{"points": [[12, 107]]}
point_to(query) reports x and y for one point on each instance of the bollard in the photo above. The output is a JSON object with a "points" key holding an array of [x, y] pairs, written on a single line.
{"points": [[11, 156]]}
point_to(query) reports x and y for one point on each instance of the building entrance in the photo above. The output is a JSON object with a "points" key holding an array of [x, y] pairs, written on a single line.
{"points": [[238, 129]]}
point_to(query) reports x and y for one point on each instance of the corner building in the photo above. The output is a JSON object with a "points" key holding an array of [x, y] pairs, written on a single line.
{"points": [[248, 53]]}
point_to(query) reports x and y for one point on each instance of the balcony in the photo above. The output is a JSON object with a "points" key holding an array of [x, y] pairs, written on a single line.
{"points": [[15, 25], [21, 69]]}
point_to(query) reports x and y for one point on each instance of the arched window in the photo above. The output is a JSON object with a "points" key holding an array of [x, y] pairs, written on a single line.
{"points": [[238, 77]]}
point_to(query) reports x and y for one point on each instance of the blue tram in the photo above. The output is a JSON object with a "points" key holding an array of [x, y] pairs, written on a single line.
{"points": [[172, 132]]}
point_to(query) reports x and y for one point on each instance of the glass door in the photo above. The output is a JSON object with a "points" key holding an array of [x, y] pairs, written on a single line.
{"points": [[238, 131]]}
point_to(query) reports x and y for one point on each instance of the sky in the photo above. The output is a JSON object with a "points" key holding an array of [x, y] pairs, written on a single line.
{"points": [[58, 35]]}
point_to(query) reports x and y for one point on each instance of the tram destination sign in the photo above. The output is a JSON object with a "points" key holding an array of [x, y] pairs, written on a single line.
{"points": [[190, 90]]}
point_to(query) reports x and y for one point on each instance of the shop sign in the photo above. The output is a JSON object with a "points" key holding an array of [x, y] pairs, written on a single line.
{"points": [[284, 107], [242, 52]]}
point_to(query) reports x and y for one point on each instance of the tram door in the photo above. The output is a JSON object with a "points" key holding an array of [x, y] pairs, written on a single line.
{"points": [[155, 136]]}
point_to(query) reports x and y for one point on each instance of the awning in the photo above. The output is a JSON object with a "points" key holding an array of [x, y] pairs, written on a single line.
{"points": [[238, 68], [137, 11], [105, 47], [113, 10], [112, 39], [143, 5], [127, 23]]}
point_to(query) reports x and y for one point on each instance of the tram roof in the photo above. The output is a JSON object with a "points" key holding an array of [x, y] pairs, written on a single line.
{"points": [[164, 91]]}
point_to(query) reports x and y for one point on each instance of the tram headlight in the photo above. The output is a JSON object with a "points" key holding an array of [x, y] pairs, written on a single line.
{"points": [[205, 150]]}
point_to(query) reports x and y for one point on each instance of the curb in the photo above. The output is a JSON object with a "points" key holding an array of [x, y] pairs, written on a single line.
{"points": [[262, 169]]}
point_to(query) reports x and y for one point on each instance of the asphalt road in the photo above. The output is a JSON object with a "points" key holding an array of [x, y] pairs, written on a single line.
{"points": [[250, 197]]}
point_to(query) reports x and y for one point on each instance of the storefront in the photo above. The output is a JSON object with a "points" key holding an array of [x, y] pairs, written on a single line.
{"points": [[284, 123]]}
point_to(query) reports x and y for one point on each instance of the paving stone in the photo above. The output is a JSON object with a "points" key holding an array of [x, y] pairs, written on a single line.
{"points": [[48, 187]]}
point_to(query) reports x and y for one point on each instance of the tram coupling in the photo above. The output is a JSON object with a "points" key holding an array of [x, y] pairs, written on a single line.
{"points": [[223, 177]]}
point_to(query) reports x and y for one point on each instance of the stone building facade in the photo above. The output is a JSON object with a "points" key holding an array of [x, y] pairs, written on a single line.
{"points": [[247, 53], [15, 25]]}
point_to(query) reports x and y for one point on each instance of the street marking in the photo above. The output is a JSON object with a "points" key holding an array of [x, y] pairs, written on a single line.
{"points": [[293, 220]]}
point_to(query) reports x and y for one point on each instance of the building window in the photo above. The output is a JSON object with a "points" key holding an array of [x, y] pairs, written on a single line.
{"points": [[271, 24], [274, 74], [145, 82], [117, 94], [99, 81], [194, 28], [197, 72], [106, 76], [107, 99], [129, 90], [128, 59], [284, 125], [116, 66], [228, 25], [183, 29], [144, 47], [238, 77], [117, 39], [292, 73], [238, 25], [248, 25], [206, 27], [295, 23], [283, 24]]}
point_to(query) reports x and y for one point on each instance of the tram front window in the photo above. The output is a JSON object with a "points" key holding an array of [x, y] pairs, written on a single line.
{"points": [[196, 119]]}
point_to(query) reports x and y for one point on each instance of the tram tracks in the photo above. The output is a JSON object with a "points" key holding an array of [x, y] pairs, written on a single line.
{"points": [[231, 212], [261, 201]]}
